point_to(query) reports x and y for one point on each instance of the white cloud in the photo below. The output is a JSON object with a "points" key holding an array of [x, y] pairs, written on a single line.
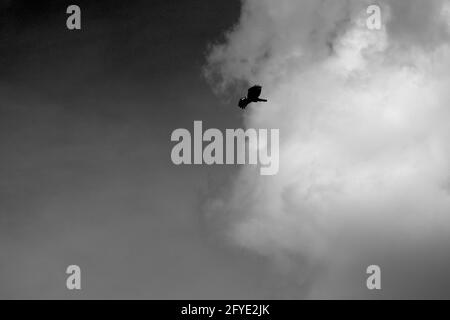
{"points": [[364, 132]]}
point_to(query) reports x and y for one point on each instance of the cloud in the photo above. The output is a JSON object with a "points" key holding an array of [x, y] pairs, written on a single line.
{"points": [[364, 128]]}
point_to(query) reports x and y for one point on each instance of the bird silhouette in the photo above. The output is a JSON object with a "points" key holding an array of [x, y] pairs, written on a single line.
{"points": [[252, 96]]}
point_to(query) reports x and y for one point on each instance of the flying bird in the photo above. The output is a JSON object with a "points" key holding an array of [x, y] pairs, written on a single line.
{"points": [[252, 96]]}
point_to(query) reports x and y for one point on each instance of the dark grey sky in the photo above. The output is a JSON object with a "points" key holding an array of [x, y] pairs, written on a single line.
{"points": [[85, 170]]}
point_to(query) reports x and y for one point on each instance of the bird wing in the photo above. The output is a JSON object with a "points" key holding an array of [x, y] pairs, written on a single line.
{"points": [[254, 93], [243, 103]]}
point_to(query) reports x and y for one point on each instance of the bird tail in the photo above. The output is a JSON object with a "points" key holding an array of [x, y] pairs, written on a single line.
{"points": [[262, 100]]}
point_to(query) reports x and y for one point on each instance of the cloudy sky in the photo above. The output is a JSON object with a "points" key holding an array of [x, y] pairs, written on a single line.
{"points": [[86, 176]]}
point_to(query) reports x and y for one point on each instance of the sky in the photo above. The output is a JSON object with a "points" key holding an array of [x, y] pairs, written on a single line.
{"points": [[86, 176]]}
